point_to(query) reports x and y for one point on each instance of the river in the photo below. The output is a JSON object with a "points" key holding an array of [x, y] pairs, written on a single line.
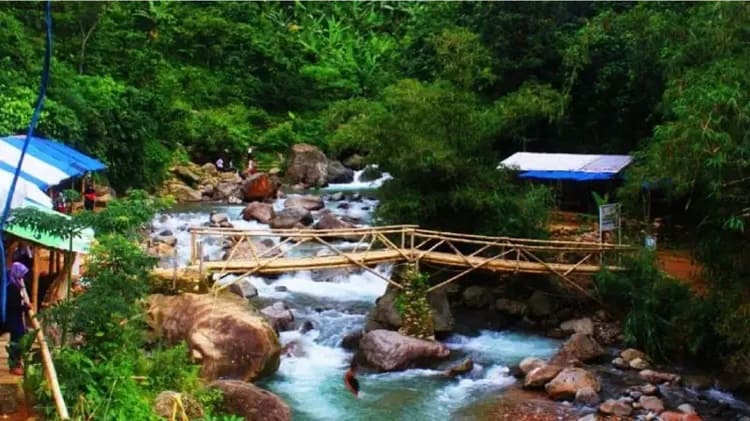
{"points": [[311, 383]]}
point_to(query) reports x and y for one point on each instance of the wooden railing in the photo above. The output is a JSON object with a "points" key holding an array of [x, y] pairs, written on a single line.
{"points": [[308, 249]]}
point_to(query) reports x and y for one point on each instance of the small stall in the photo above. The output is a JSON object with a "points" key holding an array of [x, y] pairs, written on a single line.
{"points": [[45, 257]]}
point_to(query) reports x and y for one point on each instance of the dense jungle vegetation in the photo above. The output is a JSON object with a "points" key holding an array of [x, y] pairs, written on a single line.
{"points": [[437, 94]]}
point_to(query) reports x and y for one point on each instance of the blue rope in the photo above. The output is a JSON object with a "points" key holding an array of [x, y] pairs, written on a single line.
{"points": [[32, 125]]}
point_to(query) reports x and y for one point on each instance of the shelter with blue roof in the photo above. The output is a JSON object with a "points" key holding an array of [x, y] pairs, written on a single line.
{"points": [[575, 176], [46, 165]]}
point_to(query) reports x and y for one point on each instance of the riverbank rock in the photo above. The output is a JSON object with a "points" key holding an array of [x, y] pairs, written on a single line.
{"points": [[308, 201], [351, 340], [541, 375], [619, 407], [384, 314], [251, 402], [651, 403], [290, 217], [222, 332], [539, 304], [279, 316], [584, 326], [476, 296], [513, 308], [258, 211], [658, 377], [386, 350], [631, 354], [307, 165], [164, 404], [338, 173], [569, 381], [530, 363], [258, 187], [579, 347]]}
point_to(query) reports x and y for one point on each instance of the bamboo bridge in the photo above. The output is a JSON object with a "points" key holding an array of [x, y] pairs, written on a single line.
{"points": [[258, 252]]}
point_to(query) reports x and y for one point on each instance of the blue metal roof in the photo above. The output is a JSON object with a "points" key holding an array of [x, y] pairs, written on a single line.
{"points": [[568, 175], [67, 162]]}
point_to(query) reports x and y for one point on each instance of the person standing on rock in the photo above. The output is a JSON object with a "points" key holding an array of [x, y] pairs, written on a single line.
{"points": [[220, 164], [250, 162]]}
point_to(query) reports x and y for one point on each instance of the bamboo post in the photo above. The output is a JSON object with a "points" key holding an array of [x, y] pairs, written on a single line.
{"points": [[193, 245], [37, 256], [199, 247]]}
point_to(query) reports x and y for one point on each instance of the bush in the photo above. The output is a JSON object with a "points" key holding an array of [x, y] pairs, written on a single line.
{"points": [[651, 302]]}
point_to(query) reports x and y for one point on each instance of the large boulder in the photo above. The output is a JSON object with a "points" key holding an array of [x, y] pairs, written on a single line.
{"points": [[187, 174], [579, 347], [308, 201], [513, 308], [569, 381], [184, 193], [258, 211], [307, 165], [251, 402], [530, 363], [245, 347], [259, 187], [386, 350], [225, 190], [384, 315], [290, 217], [338, 173], [250, 250], [243, 288]]}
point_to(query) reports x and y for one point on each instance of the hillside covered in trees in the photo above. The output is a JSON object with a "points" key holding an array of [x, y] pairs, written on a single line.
{"points": [[437, 94]]}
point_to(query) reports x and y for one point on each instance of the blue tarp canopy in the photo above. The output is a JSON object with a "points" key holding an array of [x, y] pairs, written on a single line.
{"points": [[47, 161], [567, 175], [563, 166]]}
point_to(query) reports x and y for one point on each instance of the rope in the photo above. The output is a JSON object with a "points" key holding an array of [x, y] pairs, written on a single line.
{"points": [[30, 132]]}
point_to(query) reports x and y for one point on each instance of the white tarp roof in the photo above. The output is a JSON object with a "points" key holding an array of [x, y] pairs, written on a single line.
{"points": [[24, 190], [536, 161]]}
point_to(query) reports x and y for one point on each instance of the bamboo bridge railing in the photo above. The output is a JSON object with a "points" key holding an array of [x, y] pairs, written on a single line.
{"points": [[313, 249]]}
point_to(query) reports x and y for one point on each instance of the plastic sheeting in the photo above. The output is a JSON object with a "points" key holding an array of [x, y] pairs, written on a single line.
{"points": [[561, 166], [47, 162], [25, 191]]}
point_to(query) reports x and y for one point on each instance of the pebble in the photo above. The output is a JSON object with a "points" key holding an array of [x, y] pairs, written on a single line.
{"points": [[651, 403]]}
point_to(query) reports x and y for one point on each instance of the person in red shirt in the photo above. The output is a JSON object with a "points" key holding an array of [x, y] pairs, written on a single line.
{"points": [[89, 197]]}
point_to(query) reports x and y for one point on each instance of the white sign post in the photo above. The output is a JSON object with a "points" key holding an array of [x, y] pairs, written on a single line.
{"points": [[609, 220]]}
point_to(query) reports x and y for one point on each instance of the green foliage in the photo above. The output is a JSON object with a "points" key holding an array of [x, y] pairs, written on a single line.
{"points": [[652, 304], [413, 306], [126, 215]]}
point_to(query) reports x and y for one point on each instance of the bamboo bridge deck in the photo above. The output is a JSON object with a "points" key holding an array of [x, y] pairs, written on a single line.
{"points": [[250, 252]]}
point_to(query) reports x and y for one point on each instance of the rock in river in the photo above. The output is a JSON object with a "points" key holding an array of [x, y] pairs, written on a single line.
{"points": [[251, 402], [386, 350]]}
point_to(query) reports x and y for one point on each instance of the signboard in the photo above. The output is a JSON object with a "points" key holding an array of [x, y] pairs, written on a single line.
{"points": [[609, 217]]}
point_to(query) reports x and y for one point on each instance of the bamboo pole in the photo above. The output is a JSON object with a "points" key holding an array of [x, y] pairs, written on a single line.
{"points": [[193, 249], [37, 256]]}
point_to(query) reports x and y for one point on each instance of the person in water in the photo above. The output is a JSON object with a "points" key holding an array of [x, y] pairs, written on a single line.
{"points": [[350, 379], [15, 308]]}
